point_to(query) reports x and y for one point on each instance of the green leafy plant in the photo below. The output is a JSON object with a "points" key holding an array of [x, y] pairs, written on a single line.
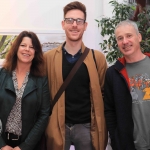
{"points": [[144, 28], [122, 11]]}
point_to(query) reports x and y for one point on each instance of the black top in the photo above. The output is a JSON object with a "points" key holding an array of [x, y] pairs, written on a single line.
{"points": [[77, 94]]}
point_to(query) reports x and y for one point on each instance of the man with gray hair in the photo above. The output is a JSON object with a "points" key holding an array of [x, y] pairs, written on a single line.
{"points": [[127, 92]]}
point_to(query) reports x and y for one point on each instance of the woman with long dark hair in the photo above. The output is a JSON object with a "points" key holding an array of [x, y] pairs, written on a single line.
{"points": [[24, 95]]}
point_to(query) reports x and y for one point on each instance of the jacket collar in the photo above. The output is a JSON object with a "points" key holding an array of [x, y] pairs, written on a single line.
{"points": [[10, 84], [59, 48], [120, 63], [120, 67], [30, 86], [58, 63]]}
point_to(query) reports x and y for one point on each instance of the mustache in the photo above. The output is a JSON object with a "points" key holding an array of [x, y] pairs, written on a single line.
{"points": [[126, 46]]}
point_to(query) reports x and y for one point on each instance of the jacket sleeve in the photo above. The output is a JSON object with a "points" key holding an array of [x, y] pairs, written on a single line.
{"points": [[2, 143], [35, 134], [109, 106], [101, 68]]}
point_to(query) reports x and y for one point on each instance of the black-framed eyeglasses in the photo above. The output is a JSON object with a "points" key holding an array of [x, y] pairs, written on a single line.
{"points": [[79, 21]]}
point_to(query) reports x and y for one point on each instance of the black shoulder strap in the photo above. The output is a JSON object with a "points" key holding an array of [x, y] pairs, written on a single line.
{"points": [[70, 76], [94, 58]]}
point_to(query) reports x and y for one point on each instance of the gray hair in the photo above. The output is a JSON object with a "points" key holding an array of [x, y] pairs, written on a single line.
{"points": [[127, 22]]}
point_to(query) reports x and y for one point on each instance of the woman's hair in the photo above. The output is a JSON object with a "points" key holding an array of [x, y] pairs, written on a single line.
{"points": [[75, 5], [37, 65]]}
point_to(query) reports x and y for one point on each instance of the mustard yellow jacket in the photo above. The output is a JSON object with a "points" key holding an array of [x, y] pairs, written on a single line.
{"points": [[55, 131]]}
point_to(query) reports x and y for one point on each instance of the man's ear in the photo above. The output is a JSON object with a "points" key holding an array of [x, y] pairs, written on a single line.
{"points": [[85, 26], [63, 24], [140, 37]]}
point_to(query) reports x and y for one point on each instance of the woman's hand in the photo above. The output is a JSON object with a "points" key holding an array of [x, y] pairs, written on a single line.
{"points": [[6, 148], [16, 148]]}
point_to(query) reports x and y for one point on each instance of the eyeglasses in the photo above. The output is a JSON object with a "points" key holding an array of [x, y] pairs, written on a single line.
{"points": [[79, 21]]}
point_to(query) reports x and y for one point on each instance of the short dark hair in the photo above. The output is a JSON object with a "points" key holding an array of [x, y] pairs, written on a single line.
{"points": [[75, 5], [38, 60]]}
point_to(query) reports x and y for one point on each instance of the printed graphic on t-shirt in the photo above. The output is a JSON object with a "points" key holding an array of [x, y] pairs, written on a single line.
{"points": [[140, 88]]}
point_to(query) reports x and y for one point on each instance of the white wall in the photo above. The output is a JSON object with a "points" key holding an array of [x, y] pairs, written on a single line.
{"points": [[92, 36], [46, 16], [31, 14]]}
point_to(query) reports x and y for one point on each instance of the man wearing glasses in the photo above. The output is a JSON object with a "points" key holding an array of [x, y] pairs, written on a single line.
{"points": [[78, 115]]}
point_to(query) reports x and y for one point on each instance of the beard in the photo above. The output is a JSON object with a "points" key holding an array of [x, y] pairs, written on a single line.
{"points": [[74, 37]]}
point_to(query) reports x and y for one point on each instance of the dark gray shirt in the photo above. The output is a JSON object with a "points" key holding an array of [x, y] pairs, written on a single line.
{"points": [[139, 78]]}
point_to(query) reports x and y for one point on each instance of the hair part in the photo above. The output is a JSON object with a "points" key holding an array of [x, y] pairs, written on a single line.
{"points": [[75, 5], [37, 65], [129, 23]]}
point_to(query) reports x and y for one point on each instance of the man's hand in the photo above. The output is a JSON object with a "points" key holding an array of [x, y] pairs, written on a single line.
{"points": [[6, 148]]}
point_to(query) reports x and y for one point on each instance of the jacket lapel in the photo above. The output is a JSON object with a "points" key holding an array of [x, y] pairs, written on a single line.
{"points": [[30, 86], [10, 85], [120, 67], [58, 66]]}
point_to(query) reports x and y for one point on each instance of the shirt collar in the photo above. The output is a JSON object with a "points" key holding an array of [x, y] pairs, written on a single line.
{"points": [[65, 52]]}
